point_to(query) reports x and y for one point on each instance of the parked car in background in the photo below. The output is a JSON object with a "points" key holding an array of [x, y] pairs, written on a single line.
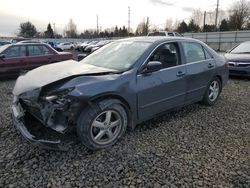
{"points": [[66, 46], [19, 57], [79, 46], [96, 46], [239, 59], [54, 45], [4, 43], [83, 46], [91, 48], [164, 33], [116, 87]]}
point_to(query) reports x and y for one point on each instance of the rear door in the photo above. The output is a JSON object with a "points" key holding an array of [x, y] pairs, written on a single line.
{"points": [[39, 55], [14, 61], [200, 69], [164, 89]]}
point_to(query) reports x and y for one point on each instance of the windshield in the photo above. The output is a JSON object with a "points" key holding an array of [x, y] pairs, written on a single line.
{"points": [[242, 48], [119, 55]]}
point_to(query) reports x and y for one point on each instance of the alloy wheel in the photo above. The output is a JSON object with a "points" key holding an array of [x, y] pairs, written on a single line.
{"points": [[106, 127], [214, 90]]}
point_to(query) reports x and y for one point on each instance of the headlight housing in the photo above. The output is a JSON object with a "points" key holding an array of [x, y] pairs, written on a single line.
{"points": [[59, 94]]}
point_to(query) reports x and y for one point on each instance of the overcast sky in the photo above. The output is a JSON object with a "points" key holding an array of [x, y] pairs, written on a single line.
{"points": [[110, 12]]}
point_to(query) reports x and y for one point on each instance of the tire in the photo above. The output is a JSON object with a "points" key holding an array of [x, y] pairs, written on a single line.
{"points": [[102, 124], [212, 92]]}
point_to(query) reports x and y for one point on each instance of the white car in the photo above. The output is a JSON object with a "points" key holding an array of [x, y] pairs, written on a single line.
{"points": [[165, 33], [66, 46]]}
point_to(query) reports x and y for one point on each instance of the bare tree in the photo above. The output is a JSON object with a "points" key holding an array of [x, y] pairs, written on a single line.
{"points": [[197, 17], [239, 14], [154, 27], [210, 16], [169, 25], [176, 24], [143, 27], [70, 30]]}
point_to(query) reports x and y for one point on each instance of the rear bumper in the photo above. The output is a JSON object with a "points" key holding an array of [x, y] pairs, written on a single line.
{"points": [[18, 120]]}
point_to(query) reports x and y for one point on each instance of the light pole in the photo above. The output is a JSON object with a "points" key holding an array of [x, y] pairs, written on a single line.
{"points": [[128, 20], [97, 24], [216, 15]]}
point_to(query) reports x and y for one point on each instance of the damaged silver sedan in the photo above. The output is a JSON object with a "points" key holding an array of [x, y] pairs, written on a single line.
{"points": [[115, 88]]}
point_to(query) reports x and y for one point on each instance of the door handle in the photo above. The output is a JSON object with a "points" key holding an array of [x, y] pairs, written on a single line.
{"points": [[180, 74], [210, 65]]}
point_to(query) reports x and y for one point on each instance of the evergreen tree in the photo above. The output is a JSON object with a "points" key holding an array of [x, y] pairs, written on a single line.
{"points": [[183, 27], [224, 25], [49, 33], [192, 27]]}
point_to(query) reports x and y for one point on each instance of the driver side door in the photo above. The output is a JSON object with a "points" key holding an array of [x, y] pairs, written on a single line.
{"points": [[163, 89]]}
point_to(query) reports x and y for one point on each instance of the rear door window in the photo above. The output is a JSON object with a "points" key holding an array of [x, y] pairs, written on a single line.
{"points": [[35, 50], [193, 52], [171, 34]]}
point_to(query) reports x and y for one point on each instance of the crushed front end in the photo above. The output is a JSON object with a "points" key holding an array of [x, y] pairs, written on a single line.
{"points": [[43, 117]]}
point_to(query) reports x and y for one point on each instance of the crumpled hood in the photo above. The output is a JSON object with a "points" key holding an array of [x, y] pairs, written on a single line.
{"points": [[47, 74]]}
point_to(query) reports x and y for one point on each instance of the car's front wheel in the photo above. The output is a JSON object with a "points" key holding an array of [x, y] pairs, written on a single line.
{"points": [[213, 92], [102, 124]]}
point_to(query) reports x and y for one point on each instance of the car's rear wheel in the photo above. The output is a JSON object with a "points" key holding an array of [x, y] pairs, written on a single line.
{"points": [[213, 92], [101, 125]]}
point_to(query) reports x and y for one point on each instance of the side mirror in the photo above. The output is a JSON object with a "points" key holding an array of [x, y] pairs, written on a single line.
{"points": [[2, 56], [152, 66]]}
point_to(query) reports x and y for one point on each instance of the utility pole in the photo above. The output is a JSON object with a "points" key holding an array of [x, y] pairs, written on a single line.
{"points": [[204, 22], [97, 24], [216, 16], [128, 20]]}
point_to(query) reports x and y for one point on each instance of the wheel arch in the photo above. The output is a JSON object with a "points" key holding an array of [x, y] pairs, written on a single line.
{"points": [[220, 78], [123, 101]]}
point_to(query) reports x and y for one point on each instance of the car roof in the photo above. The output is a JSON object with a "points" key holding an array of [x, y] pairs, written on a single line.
{"points": [[27, 44], [154, 39]]}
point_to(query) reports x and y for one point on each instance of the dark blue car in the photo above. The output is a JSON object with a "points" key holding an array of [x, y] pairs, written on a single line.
{"points": [[115, 88], [239, 60]]}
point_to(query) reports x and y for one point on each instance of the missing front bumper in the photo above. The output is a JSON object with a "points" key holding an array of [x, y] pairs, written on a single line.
{"points": [[18, 117]]}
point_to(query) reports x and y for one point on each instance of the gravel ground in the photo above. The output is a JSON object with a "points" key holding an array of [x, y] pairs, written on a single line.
{"points": [[196, 146]]}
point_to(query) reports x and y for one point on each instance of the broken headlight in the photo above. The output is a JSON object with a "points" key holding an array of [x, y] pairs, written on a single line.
{"points": [[59, 98]]}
